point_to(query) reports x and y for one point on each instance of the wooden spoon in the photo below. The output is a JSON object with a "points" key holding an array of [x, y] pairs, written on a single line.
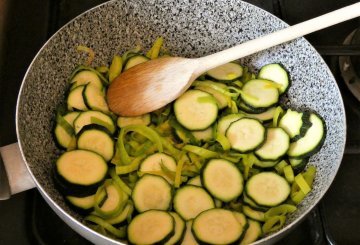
{"points": [[153, 84]]}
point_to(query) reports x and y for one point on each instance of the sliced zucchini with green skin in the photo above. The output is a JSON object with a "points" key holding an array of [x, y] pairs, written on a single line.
{"points": [[135, 60], [122, 216], [203, 135], [225, 122], [252, 233], [62, 136], [265, 116], [267, 189], [245, 108], [276, 145], [196, 110], [295, 123], [138, 120], [80, 172], [96, 138], [227, 72], [264, 164], [195, 181], [298, 165], [246, 134], [180, 228], [217, 226], [189, 238], [151, 227], [86, 77], [81, 204], [276, 73], [312, 141], [114, 202], [222, 179], [151, 192], [259, 93], [157, 162], [191, 200], [254, 214], [221, 99], [75, 99], [95, 99], [94, 117], [252, 204], [241, 219]]}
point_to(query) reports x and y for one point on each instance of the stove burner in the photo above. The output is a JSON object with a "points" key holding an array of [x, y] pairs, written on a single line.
{"points": [[348, 67]]}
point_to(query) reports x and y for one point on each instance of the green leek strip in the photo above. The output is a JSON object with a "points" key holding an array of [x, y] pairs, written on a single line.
{"points": [[89, 51], [271, 84], [102, 69], [303, 185], [138, 137], [129, 208], [205, 99], [143, 148], [134, 144], [232, 157], [119, 182], [289, 173], [236, 205], [248, 162], [64, 124], [195, 159], [115, 67], [133, 166], [95, 120], [170, 174], [120, 233], [200, 151], [128, 54], [153, 53], [72, 144], [297, 196], [273, 224], [277, 114], [144, 131], [238, 83], [168, 145], [179, 168], [280, 167], [233, 107], [189, 137], [222, 90], [224, 142], [87, 68], [309, 175], [133, 177], [281, 210]]}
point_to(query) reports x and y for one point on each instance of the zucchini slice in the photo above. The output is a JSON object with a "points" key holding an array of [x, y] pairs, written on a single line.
{"points": [[114, 202], [224, 122], [295, 123], [217, 226], [63, 137], [96, 138], [151, 227], [254, 214], [94, 117], [227, 72], [246, 134], [122, 216], [195, 181], [81, 204], [276, 145], [222, 179], [191, 200], [151, 192], [260, 93], [252, 233], [180, 229], [203, 135], [267, 189], [95, 99], [86, 77], [135, 60], [265, 164], [189, 238], [245, 108], [196, 110], [265, 116], [138, 120], [80, 172], [159, 162], [298, 165], [207, 86], [276, 73], [312, 141], [75, 99]]}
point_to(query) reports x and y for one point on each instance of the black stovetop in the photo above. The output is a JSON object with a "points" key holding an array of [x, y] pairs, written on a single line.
{"points": [[26, 25]]}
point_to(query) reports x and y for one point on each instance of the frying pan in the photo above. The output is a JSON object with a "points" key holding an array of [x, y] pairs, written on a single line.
{"points": [[191, 29]]}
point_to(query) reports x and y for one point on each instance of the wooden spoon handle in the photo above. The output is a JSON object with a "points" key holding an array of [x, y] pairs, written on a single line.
{"points": [[250, 47]]}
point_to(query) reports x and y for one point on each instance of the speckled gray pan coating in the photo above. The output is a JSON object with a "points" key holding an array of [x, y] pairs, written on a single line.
{"points": [[191, 29]]}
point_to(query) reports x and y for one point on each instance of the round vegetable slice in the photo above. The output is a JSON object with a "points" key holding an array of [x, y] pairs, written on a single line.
{"points": [[276, 145]]}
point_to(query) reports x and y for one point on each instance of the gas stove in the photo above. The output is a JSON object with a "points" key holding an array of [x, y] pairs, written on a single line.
{"points": [[26, 25]]}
